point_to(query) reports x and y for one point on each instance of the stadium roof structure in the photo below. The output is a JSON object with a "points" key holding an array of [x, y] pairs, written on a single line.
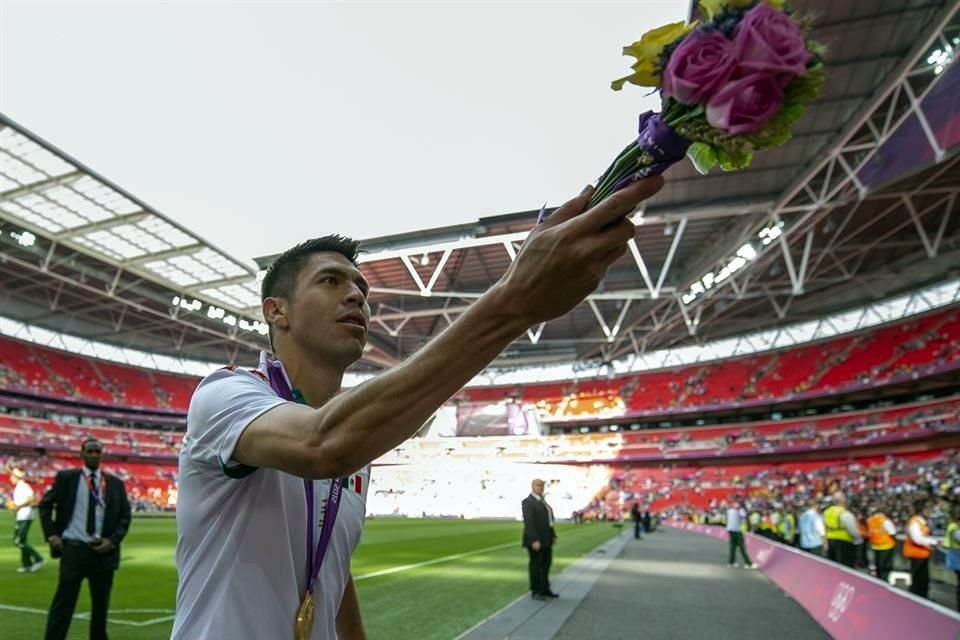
{"points": [[860, 205]]}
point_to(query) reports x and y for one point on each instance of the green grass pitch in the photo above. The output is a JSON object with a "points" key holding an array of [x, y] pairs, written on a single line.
{"points": [[436, 600]]}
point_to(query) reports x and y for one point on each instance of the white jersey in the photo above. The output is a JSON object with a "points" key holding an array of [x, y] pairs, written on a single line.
{"points": [[23, 494], [241, 531]]}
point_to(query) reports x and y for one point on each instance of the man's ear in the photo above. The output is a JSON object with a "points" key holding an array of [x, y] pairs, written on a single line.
{"points": [[275, 312]]}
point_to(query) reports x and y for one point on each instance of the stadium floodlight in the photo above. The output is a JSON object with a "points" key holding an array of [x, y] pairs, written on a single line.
{"points": [[747, 252], [771, 233], [24, 238], [215, 313]]}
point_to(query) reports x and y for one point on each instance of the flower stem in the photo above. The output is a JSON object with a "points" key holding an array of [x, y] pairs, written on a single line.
{"points": [[623, 166]]}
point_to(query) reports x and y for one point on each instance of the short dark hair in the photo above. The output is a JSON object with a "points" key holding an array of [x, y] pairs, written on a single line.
{"points": [[86, 441], [281, 278]]}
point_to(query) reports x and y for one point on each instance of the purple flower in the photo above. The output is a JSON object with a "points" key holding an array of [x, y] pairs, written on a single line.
{"points": [[770, 41], [702, 64], [746, 104]]}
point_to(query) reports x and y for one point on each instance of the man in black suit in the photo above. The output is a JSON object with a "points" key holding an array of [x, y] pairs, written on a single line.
{"points": [[538, 538], [92, 517]]}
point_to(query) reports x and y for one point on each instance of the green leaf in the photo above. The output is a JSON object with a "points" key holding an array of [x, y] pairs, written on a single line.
{"points": [[703, 157], [792, 112], [806, 87], [734, 160]]}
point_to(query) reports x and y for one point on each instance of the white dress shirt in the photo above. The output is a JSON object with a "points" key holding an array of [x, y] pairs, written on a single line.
{"points": [[549, 508], [77, 530]]}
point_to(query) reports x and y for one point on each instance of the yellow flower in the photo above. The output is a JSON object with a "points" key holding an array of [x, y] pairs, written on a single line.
{"points": [[710, 8], [647, 51]]}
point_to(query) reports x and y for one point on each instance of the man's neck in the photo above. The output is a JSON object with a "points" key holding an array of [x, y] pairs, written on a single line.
{"points": [[89, 470], [317, 381]]}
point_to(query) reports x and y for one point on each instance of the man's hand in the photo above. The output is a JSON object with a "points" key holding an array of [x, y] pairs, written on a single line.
{"points": [[105, 546], [56, 543], [563, 260], [535, 545]]}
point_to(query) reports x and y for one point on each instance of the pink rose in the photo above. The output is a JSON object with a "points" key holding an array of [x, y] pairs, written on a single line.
{"points": [[770, 41], [702, 64], [745, 105]]}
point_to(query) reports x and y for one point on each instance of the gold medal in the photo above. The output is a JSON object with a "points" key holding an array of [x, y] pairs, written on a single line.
{"points": [[303, 627]]}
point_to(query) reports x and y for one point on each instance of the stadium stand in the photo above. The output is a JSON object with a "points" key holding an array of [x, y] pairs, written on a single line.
{"points": [[911, 348]]}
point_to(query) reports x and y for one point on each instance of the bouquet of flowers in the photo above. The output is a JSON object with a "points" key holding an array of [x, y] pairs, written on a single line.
{"points": [[731, 85]]}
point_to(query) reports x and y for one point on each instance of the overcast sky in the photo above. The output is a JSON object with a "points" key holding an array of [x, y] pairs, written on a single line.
{"points": [[257, 125]]}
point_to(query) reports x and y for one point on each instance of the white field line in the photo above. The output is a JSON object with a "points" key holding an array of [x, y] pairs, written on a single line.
{"points": [[86, 615], [456, 556]]}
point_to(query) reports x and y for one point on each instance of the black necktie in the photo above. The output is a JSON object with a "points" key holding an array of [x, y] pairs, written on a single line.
{"points": [[92, 507]]}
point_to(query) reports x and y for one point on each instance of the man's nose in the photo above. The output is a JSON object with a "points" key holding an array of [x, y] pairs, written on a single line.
{"points": [[356, 295]]}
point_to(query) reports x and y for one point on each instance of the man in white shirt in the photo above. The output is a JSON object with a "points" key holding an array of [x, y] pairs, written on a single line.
{"points": [[23, 501], [264, 452], [735, 517], [813, 533]]}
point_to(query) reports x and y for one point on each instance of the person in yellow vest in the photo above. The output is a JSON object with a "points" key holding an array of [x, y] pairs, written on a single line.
{"points": [[917, 548], [843, 534], [788, 526], [882, 535], [951, 544]]}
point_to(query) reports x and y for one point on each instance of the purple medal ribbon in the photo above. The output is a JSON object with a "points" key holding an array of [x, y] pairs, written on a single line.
{"points": [[278, 381]]}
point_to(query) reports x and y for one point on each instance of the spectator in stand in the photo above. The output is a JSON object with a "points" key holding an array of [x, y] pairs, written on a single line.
{"points": [[22, 505], [843, 533], [813, 532], [735, 524], [882, 535], [917, 548]]}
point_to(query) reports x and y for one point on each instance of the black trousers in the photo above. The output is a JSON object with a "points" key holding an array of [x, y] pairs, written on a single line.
{"points": [[540, 569], [842, 552], [920, 576], [636, 528], [80, 561], [958, 589], [28, 555], [736, 542], [884, 558]]}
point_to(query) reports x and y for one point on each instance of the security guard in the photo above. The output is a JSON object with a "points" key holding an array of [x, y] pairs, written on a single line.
{"points": [[882, 532], [788, 527], [917, 548], [843, 533], [951, 544]]}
